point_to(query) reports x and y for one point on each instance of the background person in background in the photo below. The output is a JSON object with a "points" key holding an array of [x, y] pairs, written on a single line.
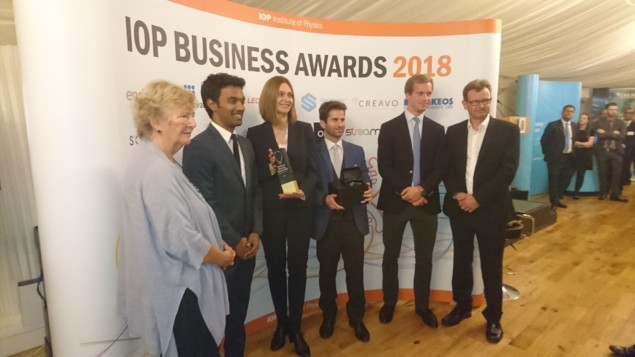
{"points": [[223, 167], [340, 230], [410, 157], [482, 157], [557, 144], [172, 290], [286, 216], [609, 150], [583, 155], [629, 146]]}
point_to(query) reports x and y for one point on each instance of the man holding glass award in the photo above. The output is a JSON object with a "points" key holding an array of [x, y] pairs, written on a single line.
{"points": [[341, 221]]}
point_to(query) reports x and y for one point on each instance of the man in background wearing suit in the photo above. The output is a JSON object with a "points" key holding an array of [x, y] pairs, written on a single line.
{"points": [[410, 158], [482, 158], [629, 145], [339, 229], [222, 165], [557, 145], [610, 133]]}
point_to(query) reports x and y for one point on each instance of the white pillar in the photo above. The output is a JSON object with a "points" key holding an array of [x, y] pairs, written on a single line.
{"points": [[69, 78]]}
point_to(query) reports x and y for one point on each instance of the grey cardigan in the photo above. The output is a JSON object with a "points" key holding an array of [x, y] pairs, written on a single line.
{"points": [[168, 229]]}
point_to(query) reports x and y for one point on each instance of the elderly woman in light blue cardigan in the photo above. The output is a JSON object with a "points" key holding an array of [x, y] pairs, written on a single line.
{"points": [[172, 290]]}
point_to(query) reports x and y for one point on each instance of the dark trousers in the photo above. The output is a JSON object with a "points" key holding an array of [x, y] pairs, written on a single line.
{"points": [[627, 162], [490, 234], [286, 244], [238, 279], [579, 178], [560, 173], [342, 237], [424, 230], [610, 172], [191, 335]]}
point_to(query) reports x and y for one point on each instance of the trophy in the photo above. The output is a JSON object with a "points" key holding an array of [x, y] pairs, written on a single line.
{"points": [[285, 172], [349, 188]]}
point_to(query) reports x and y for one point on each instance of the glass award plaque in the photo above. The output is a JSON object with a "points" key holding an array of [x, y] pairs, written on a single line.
{"points": [[285, 172]]}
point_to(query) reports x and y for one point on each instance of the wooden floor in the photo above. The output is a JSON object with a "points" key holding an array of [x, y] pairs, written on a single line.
{"points": [[577, 284]]}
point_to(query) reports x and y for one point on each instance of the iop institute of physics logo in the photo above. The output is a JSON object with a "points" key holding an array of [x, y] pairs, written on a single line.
{"points": [[308, 102]]}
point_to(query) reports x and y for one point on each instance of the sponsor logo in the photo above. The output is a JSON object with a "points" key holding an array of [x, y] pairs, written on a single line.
{"points": [[319, 132], [263, 16], [436, 103], [308, 102], [190, 88], [252, 100], [375, 103]]}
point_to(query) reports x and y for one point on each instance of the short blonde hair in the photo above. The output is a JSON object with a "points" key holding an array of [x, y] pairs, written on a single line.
{"points": [[269, 98], [155, 101]]}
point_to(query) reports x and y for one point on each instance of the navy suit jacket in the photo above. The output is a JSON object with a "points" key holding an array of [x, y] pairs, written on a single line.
{"points": [[210, 165], [353, 157], [494, 172], [552, 140], [302, 153], [395, 163]]}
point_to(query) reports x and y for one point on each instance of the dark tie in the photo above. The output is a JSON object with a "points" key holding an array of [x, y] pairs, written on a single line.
{"points": [[236, 152]]}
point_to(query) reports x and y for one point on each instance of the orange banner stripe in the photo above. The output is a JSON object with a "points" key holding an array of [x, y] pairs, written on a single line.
{"points": [[334, 27]]}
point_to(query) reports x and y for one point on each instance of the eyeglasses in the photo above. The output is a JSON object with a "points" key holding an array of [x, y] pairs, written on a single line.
{"points": [[476, 103]]}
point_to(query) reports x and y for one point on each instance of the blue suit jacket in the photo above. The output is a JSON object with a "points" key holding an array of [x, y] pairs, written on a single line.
{"points": [[353, 156]]}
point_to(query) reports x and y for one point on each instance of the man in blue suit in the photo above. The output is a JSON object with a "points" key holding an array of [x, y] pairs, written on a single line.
{"points": [[340, 230], [222, 165]]}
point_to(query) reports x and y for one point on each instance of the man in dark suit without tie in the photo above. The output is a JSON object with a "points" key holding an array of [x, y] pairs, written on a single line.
{"points": [[410, 157], [222, 166], [339, 229], [482, 158]]}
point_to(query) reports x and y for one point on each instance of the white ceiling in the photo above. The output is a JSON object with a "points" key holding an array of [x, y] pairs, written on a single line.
{"points": [[592, 41]]}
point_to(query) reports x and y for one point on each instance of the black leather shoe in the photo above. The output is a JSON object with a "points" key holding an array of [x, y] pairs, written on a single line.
{"points": [[301, 347], [494, 332], [361, 332], [561, 205], [622, 351], [278, 339], [327, 327], [618, 199], [576, 196], [455, 316], [385, 314], [428, 318]]}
